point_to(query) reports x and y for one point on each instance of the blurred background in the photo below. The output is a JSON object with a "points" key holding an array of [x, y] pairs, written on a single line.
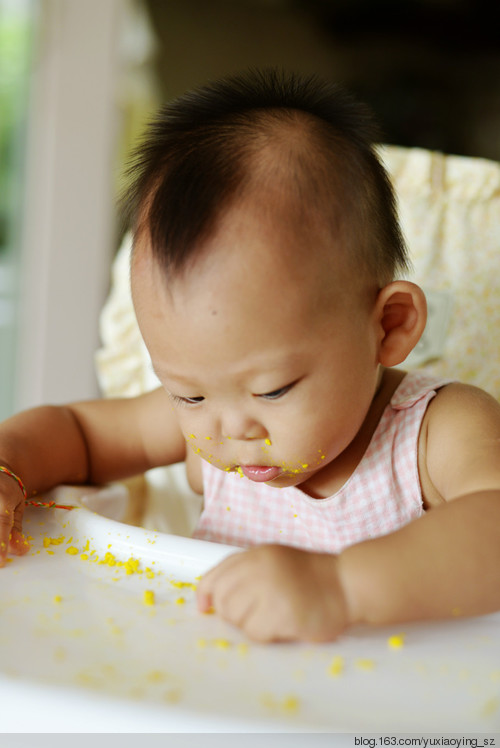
{"points": [[78, 80]]}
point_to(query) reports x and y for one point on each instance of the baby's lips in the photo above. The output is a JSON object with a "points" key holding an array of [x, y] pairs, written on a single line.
{"points": [[261, 473]]}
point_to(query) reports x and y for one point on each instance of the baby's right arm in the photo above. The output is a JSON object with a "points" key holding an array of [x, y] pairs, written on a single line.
{"points": [[90, 442]]}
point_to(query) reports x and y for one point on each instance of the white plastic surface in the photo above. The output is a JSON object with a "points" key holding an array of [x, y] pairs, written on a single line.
{"points": [[80, 651]]}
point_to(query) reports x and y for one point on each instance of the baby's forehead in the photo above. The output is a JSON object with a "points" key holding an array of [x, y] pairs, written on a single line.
{"points": [[265, 235], [263, 249]]}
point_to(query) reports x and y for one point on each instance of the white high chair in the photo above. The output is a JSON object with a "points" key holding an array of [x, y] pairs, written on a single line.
{"points": [[450, 214]]}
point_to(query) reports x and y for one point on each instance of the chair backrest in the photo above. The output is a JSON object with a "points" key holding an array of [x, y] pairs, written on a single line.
{"points": [[449, 208]]}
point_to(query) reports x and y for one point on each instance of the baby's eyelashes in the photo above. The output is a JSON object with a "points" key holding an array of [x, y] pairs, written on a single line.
{"points": [[276, 394], [196, 400], [178, 400]]}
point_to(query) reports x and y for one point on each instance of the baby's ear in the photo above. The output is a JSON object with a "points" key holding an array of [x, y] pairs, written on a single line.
{"points": [[401, 312]]}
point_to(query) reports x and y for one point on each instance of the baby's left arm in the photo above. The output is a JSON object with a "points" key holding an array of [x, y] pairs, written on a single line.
{"points": [[446, 563]]}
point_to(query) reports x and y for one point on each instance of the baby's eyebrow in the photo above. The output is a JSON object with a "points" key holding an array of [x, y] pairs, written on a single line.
{"points": [[163, 373], [278, 363]]}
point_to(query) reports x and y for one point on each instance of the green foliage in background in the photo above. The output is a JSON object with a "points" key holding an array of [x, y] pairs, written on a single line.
{"points": [[15, 59]]}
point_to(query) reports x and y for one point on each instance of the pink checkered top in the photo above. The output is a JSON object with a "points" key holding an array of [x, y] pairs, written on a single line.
{"points": [[382, 494]]}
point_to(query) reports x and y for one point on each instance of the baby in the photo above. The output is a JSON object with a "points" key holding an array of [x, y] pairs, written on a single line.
{"points": [[264, 279]]}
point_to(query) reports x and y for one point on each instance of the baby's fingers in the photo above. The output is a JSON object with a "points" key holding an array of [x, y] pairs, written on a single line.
{"points": [[204, 601], [17, 541], [11, 517], [11, 535], [18, 545], [210, 584], [6, 524]]}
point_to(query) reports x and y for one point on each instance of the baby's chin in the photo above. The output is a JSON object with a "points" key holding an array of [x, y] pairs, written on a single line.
{"points": [[287, 480]]}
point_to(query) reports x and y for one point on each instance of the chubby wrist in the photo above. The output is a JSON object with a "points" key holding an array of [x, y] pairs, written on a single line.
{"points": [[330, 577]]}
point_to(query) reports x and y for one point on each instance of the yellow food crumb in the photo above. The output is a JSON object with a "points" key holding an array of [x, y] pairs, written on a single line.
{"points": [[181, 585], [210, 611], [132, 566], [396, 641], [57, 598], [490, 707], [180, 601], [222, 643], [173, 696], [365, 664], [72, 550], [149, 597], [336, 666], [52, 541], [84, 556], [156, 676], [268, 442], [290, 704], [109, 559]]}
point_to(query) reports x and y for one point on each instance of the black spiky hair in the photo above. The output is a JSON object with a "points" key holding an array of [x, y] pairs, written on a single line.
{"points": [[213, 144]]}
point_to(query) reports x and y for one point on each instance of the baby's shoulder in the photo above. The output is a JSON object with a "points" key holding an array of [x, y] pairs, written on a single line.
{"points": [[460, 440], [456, 402]]}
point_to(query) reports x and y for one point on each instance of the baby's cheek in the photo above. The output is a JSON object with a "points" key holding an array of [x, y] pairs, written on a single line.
{"points": [[310, 461], [210, 449]]}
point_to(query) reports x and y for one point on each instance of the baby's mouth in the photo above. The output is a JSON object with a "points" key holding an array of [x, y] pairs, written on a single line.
{"points": [[261, 473]]}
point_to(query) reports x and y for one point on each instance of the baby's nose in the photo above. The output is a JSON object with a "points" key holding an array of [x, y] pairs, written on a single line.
{"points": [[241, 427]]}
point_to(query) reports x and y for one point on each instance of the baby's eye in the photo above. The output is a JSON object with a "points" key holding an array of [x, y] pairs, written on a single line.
{"points": [[276, 394], [186, 400]]}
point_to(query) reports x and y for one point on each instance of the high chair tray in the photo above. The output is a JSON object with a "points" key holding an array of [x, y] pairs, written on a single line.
{"points": [[99, 632]]}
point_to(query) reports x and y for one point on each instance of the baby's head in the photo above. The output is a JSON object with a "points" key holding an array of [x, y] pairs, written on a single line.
{"points": [[266, 243]]}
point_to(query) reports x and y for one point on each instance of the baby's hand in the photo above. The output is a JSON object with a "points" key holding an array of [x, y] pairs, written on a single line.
{"points": [[277, 593], [11, 514]]}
